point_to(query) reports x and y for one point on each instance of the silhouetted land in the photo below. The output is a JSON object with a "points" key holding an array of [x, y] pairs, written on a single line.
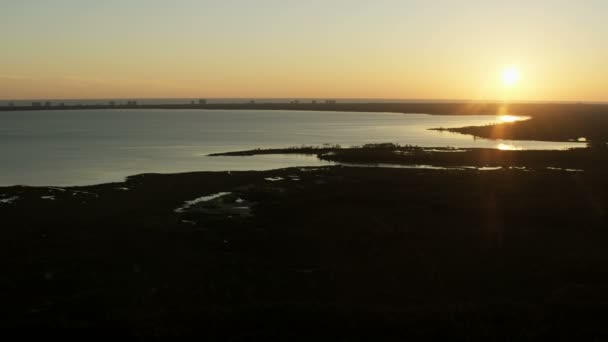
{"points": [[388, 153], [337, 252], [326, 253], [550, 122]]}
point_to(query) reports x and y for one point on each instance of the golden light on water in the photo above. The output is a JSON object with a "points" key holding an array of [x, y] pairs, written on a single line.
{"points": [[508, 147], [510, 118], [511, 76]]}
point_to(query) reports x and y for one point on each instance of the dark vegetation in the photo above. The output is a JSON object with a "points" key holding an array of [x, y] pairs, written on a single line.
{"points": [[388, 153], [334, 253], [550, 122], [593, 129], [340, 254]]}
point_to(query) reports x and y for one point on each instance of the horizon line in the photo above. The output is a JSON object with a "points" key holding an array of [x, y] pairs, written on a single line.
{"points": [[419, 100]]}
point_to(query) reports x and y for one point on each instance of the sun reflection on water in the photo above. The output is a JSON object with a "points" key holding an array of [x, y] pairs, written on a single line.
{"points": [[511, 118], [508, 147]]}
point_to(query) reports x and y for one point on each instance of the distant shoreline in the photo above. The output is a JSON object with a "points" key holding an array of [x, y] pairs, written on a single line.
{"points": [[433, 108], [549, 122]]}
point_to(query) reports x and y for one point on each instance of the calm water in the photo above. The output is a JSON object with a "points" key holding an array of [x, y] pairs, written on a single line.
{"points": [[96, 146]]}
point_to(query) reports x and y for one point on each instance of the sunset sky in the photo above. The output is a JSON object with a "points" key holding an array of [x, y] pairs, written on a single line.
{"points": [[396, 49]]}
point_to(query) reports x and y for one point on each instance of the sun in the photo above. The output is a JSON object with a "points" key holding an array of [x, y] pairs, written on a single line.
{"points": [[511, 76]]}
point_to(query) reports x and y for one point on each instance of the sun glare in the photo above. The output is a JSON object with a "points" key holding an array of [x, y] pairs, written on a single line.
{"points": [[508, 147], [511, 76], [510, 118]]}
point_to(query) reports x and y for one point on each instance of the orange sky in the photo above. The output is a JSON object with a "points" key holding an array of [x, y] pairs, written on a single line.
{"points": [[317, 49]]}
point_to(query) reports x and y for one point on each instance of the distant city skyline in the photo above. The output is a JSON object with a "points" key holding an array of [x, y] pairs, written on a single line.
{"points": [[331, 49]]}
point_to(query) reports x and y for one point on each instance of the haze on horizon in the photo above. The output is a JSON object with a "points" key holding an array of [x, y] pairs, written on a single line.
{"points": [[304, 49]]}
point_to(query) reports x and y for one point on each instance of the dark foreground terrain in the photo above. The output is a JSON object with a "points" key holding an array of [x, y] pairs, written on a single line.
{"points": [[334, 253]]}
